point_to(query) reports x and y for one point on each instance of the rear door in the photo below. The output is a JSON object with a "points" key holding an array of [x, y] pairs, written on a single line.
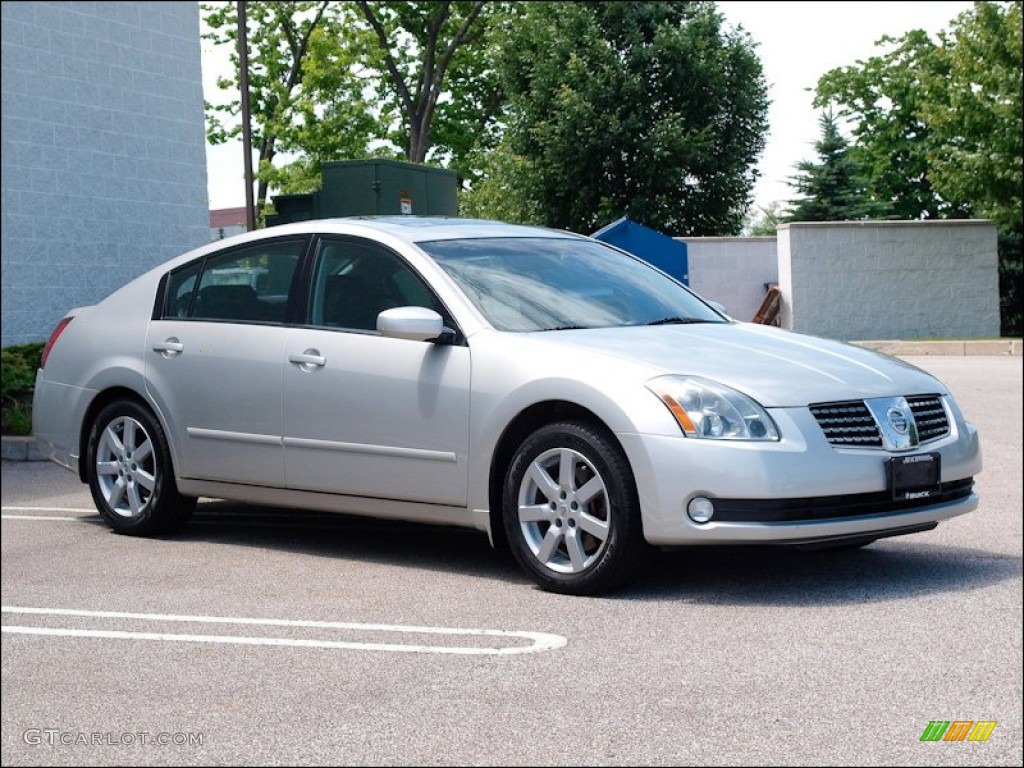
{"points": [[215, 359]]}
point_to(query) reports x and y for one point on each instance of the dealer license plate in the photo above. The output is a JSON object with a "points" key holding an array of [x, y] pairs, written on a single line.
{"points": [[915, 477]]}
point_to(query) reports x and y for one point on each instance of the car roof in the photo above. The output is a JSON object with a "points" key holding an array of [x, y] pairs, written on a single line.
{"points": [[414, 229]]}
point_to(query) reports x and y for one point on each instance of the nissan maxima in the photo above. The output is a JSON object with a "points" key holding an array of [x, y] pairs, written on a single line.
{"points": [[558, 394]]}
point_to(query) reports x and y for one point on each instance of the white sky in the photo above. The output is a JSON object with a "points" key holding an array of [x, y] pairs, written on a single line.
{"points": [[797, 43]]}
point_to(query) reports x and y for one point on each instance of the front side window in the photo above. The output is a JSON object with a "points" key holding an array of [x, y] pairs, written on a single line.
{"points": [[544, 284], [355, 281], [249, 284]]}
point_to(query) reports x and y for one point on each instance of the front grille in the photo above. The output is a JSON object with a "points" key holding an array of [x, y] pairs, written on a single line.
{"points": [[852, 425], [832, 507], [848, 424], [930, 415]]}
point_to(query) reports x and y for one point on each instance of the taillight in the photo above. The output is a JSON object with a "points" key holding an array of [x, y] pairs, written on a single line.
{"points": [[53, 339]]}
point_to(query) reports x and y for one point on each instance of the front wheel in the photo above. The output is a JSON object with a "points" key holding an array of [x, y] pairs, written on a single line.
{"points": [[130, 474], [571, 511]]}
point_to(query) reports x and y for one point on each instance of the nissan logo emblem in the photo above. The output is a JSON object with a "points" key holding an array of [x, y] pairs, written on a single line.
{"points": [[898, 420]]}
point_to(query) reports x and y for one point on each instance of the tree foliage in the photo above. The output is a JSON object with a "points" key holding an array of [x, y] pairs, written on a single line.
{"points": [[279, 37], [834, 188], [342, 80], [436, 74], [938, 123], [764, 221], [651, 110], [885, 97], [977, 122]]}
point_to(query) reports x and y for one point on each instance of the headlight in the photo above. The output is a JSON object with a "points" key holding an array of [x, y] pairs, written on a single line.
{"points": [[710, 410]]}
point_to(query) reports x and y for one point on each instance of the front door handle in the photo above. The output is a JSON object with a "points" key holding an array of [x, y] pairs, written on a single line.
{"points": [[309, 360], [169, 348]]}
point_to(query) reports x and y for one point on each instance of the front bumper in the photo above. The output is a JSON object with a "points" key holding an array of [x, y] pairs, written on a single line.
{"points": [[800, 489]]}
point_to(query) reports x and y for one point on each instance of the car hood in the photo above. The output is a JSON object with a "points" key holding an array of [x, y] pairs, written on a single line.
{"points": [[777, 368]]}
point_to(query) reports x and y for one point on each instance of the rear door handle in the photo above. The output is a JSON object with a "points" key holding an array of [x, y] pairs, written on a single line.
{"points": [[308, 360], [169, 348]]}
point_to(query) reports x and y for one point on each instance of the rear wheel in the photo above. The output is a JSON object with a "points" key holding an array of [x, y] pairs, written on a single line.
{"points": [[130, 473], [571, 511]]}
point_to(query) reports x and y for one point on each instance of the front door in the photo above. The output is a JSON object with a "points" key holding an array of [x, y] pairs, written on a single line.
{"points": [[367, 415]]}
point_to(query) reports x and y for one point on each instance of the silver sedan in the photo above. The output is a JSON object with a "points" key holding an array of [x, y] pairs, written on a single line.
{"points": [[564, 397]]}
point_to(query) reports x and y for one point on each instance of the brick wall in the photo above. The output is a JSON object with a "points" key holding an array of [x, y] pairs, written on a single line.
{"points": [[103, 161]]}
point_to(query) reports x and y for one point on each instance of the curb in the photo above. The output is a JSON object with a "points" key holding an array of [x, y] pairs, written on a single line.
{"points": [[21, 449], [965, 347], [24, 448]]}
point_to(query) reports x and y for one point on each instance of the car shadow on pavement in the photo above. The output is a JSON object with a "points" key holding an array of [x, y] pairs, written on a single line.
{"points": [[325, 534], [784, 576]]}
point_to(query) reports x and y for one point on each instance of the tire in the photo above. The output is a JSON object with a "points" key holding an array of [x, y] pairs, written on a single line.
{"points": [[130, 474], [571, 511]]}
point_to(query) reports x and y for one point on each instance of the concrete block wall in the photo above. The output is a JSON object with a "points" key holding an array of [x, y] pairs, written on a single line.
{"points": [[104, 159], [890, 280], [732, 270]]}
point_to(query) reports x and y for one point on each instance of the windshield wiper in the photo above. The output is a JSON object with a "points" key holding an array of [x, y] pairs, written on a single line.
{"points": [[566, 328], [678, 321]]}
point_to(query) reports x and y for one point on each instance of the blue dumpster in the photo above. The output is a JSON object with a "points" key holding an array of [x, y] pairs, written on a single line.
{"points": [[656, 249]]}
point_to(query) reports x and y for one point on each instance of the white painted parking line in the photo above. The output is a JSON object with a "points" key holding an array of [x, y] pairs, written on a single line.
{"points": [[540, 641], [40, 517], [83, 510], [4, 514]]}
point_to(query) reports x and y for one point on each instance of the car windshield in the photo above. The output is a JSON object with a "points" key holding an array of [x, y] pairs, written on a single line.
{"points": [[549, 284]]}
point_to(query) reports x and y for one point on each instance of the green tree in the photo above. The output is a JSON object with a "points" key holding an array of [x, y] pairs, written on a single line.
{"points": [[764, 221], [436, 74], [335, 116], [885, 97], [834, 188], [651, 110], [976, 119], [280, 36], [340, 80]]}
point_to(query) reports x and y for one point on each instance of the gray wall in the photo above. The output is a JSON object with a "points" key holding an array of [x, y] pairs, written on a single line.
{"points": [[103, 161], [732, 270], [859, 281], [890, 280]]}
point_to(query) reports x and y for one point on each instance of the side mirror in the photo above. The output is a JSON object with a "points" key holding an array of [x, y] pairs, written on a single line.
{"points": [[413, 323]]}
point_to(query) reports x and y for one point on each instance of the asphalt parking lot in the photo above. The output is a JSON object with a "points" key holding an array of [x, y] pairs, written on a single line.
{"points": [[264, 636]]}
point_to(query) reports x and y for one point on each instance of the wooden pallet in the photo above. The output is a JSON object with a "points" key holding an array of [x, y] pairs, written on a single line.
{"points": [[768, 312]]}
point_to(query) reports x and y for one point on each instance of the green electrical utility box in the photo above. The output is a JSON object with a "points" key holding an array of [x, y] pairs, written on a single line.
{"points": [[387, 188], [294, 208], [373, 188]]}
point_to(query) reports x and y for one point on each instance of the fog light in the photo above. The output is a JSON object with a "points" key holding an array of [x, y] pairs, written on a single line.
{"points": [[700, 509]]}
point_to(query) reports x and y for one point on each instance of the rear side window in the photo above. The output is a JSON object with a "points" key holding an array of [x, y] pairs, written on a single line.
{"points": [[180, 290], [249, 284]]}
